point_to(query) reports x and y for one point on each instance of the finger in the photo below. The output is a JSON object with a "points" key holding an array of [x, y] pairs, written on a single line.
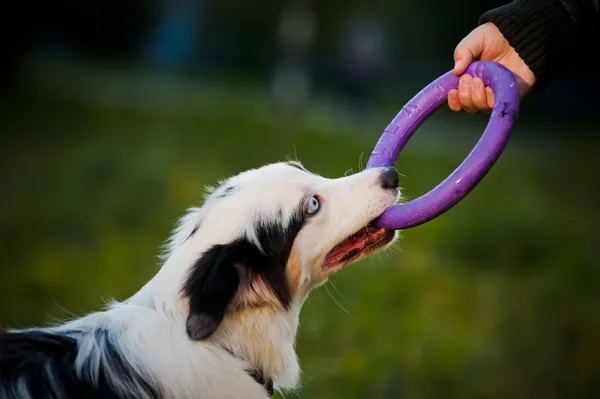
{"points": [[489, 93], [470, 47], [464, 93], [478, 95], [462, 61], [453, 101]]}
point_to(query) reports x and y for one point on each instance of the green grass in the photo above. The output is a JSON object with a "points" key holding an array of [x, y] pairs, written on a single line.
{"points": [[497, 298]]}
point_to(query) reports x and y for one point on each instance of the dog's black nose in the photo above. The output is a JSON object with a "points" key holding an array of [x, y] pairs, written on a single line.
{"points": [[389, 178]]}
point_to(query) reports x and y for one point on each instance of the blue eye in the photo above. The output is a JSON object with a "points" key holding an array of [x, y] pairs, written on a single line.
{"points": [[313, 205]]}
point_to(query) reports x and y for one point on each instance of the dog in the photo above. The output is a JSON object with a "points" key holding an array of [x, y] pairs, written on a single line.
{"points": [[219, 319]]}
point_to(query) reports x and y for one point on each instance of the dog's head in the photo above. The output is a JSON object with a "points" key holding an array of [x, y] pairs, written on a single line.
{"points": [[264, 238]]}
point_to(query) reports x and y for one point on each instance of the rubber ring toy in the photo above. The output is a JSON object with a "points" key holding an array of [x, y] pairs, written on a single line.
{"points": [[474, 167]]}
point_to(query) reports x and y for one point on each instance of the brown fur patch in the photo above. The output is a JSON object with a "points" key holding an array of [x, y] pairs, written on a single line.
{"points": [[253, 292], [293, 271]]}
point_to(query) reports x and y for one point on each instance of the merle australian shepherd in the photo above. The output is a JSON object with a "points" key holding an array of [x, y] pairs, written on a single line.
{"points": [[219, 319]]}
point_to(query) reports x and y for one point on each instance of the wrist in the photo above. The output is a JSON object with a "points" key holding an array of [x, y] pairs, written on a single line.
{"points": [[539, 31], [526, 78]]}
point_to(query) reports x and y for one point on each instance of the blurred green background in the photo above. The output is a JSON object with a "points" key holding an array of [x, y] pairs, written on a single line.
{"points": [[114, 115]]}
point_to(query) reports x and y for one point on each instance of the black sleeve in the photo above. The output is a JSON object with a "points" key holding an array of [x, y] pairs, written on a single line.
{"points": [[544, 31]]}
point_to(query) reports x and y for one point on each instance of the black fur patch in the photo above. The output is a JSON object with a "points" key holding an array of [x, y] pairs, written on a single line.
{"points": [[194, 230], [214, 280], [44, 362], [297, 165], [212, 283], [223, 191]]}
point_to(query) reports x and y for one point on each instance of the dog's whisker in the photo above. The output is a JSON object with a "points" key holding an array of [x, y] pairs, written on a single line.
{"points": [[334, 300], [319, 294], [335, 288]]}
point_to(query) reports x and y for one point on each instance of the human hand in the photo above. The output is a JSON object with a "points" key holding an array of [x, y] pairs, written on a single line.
{"points": [[485, 42]]}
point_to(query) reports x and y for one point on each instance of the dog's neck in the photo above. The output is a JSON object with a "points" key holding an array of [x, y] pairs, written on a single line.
{"points": [[266, 340]]}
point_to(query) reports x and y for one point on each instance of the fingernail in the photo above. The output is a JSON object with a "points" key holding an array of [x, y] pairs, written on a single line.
{"points": [[458, 64]]}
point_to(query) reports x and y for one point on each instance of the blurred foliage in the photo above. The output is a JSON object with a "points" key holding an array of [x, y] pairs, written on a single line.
{"points": [[498, 298]]}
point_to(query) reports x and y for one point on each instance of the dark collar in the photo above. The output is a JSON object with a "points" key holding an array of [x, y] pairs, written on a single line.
{"points": [[258, 377], [267, 384]]}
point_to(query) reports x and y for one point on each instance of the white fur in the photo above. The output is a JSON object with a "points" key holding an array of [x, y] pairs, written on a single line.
{"points": [[150, 326]]}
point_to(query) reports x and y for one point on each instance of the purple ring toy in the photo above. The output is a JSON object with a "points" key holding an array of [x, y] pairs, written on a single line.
{"points": [[477, 164]]}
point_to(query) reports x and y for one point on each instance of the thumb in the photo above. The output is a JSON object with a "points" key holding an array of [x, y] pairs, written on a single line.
{"points": [[469, 48]]}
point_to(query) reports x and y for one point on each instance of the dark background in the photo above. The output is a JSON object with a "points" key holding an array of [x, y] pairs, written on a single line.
{"points": [[115, 114]]}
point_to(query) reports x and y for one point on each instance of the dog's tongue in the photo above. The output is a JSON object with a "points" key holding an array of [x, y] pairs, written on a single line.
{"points": [[353, 245], [346, 250]]}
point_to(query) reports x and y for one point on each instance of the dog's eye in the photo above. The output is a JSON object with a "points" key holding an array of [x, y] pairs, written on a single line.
{"points": [[313, 205]]}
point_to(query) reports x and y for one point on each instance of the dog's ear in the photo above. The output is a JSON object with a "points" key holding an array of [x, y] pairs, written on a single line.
{"points": [[215, 278], [210, 288]]}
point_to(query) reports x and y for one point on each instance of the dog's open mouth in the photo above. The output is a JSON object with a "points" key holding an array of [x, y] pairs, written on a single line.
{"points": [[365, 241]]}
